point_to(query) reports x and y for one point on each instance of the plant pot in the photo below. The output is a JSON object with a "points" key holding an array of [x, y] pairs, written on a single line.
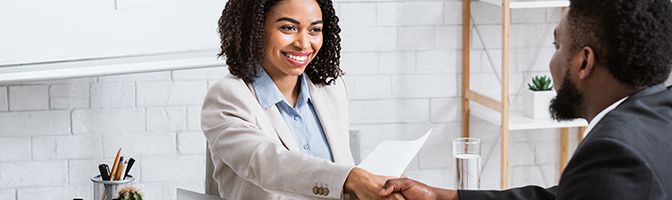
{"points": [[535, 103]]}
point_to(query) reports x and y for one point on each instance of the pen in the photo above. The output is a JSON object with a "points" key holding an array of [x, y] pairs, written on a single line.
{"points": [[104, 172], [128, 168]]}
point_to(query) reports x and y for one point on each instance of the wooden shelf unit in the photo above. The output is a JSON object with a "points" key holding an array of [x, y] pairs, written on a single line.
{"points": [[498, 111]]}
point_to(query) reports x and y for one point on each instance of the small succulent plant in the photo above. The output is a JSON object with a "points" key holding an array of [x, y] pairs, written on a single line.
{"points": [[130, 193], [541, 83]]}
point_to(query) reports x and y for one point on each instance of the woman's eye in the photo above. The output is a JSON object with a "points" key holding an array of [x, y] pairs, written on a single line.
{"points": [[288, 28], [316, 29]]}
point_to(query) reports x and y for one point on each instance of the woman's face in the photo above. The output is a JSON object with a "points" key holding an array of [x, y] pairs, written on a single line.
{"points": [[292, 37]]}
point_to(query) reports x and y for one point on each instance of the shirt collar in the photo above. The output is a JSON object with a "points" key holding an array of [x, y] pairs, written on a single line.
{"points": [[269, 94], [600, 115]]}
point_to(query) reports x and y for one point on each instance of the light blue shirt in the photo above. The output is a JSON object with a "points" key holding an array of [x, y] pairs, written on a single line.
{"points": [[302, 119]]}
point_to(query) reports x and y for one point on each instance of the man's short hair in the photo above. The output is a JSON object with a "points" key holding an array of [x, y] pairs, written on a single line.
{"points": [[631, 38]]}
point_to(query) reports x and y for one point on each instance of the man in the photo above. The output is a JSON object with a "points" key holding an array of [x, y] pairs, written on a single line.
{"points": [[611, 59]]}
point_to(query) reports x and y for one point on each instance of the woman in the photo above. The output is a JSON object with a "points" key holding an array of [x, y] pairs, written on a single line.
{"points": [[277, 127]]}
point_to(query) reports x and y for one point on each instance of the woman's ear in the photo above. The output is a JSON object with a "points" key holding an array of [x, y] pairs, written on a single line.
{"points": [[587, 59]]}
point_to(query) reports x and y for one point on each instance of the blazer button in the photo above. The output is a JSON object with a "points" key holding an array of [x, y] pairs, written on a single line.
{"points": [[316, 190], [326, 191]]}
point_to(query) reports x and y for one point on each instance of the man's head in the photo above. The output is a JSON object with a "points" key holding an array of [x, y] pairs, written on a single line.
{"points": [[627, 41]]}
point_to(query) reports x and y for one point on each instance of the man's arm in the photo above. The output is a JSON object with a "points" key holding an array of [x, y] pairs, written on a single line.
{"points": [[601, 169]]}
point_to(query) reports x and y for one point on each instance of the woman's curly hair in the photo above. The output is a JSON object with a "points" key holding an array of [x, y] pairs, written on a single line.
{"points": [[631, 38], [241, 30]]}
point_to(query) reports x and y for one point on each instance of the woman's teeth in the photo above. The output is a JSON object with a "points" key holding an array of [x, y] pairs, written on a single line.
{"points": [[297, 58]]}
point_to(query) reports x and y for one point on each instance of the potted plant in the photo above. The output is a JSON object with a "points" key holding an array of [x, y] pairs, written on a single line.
{"points": [[130, 193], [538, 97]]}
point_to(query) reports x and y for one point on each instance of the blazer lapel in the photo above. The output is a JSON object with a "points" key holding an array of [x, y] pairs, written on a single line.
{"points": [[281, 128], [330, 124], [279, 125]]}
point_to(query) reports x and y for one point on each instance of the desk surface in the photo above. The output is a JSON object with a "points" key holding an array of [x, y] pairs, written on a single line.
{"points": [[183, 194]]}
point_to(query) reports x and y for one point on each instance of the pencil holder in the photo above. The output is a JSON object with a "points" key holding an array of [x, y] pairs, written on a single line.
{"points": [[107, 190]]}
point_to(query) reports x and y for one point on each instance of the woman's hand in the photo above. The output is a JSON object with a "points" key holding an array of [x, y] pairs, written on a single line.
{"points": [[366, 185], [412, 189]]}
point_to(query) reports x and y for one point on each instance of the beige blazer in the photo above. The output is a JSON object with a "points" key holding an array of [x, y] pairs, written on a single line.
{"points": [[254, 153]]}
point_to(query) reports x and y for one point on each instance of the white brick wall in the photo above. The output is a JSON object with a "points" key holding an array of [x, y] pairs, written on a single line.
{"points": [[64, 96], [414, 86], [359, 63], [67, 147], [171, 93], [55, 193], [397, 62], [410, 13], [402, 61], [56, 122], [363, 39], [357, 14], [33, 173], [4, 105], [191, 143], [109, 121], [163, 119], [408, 38], [8, 194], [15, 148], [389, 111], [194, 118], [28, 97], [170, 168], [140, 144], [432, 62], [112, 95]]}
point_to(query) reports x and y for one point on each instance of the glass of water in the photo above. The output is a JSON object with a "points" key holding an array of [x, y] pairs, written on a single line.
{"points": [[467, 153]]}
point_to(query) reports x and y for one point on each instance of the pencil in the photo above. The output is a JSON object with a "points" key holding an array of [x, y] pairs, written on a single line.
{"points": [[114, 165], [120, 168]]}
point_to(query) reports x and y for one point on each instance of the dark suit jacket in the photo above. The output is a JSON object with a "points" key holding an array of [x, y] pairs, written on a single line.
{"points": [[627, 155]]}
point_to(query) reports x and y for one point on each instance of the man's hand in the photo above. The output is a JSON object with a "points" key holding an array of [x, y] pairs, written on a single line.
{"points": [[366, 185], [412, 189]]}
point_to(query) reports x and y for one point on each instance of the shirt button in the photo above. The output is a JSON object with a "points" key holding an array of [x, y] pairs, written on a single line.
{"points": [[306, 147], [296, 118]]}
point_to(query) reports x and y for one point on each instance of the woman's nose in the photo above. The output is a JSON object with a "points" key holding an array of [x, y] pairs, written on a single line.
{"points": [[302, 41]]}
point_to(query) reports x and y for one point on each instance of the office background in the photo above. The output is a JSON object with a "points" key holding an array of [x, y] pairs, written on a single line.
{"points": [[402, 60]]}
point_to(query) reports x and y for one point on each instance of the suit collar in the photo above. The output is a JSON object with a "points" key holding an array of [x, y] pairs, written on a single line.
{"points": [[633, 97], [268, 93], [649, 91], [330, 123]]}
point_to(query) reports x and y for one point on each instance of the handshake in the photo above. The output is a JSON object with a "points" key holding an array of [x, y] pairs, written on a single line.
{"points": [[365, 186]]}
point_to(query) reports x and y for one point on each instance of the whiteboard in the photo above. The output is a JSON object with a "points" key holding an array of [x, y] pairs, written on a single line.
{"points": [[61, 30]]}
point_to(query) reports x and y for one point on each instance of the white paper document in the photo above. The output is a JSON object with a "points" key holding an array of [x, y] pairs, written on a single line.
{"points": [[390, 158]]}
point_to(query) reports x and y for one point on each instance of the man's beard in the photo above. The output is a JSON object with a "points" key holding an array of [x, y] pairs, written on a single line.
{"points": [[568, 103]]}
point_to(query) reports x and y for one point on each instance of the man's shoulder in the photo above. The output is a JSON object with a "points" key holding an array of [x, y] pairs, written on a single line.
{"points": [[638, 121], [641, 112]]}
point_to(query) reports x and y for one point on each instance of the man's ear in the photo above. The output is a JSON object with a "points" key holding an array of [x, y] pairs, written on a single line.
{"points": [[586, 57]]}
